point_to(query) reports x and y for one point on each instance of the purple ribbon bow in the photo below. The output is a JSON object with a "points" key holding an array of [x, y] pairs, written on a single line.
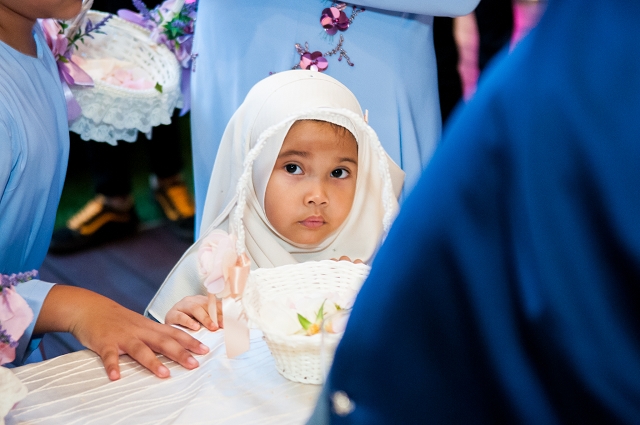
{"points": [[70, 73]]}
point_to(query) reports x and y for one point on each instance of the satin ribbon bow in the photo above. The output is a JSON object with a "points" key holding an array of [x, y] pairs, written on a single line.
{"points": [[70, 73], [225, 275]]}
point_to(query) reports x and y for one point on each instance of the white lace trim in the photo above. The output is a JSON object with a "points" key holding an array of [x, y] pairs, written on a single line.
{"points": [[111, 113]]}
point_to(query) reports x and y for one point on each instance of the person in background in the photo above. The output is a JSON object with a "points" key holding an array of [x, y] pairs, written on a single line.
{"points": [[507, 290], [390, 44], [34, 146], [111, 214]]}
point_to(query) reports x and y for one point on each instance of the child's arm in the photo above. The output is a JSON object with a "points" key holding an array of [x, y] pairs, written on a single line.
{"points": [[108, 329], [192, 311]]}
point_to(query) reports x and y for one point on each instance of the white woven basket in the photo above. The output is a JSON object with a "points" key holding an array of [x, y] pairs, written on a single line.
{"points": [[111, 113], [299, 358]]}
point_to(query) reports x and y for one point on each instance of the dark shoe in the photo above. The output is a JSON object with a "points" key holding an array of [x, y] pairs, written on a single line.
{"points": [[94, 224], [178, 206]]}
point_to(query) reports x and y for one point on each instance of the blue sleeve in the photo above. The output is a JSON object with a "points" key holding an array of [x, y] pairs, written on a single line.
{"points": [[5, 157], [34, 292], [431, 7]]}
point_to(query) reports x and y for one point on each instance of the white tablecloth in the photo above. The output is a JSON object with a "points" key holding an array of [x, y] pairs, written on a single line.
{"points": [[74, 389]]}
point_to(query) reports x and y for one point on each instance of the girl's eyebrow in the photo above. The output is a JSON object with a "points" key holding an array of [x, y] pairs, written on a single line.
{"points": [[305, 154], [347, 159], [292, 152]]}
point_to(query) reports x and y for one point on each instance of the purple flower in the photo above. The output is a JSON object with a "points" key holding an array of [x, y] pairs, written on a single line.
{"points": [[333, 19], [5, 338], [8, 281], [142, 8], [313, 61]]}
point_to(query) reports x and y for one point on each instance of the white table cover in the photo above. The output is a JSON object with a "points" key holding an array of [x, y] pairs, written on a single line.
{"points": [[74, 389]]}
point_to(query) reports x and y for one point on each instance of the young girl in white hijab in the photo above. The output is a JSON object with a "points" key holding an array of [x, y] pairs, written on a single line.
{"points": [[321, 186]]}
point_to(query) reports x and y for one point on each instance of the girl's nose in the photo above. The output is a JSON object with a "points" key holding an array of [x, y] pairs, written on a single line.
{"points": [[316, 195]]}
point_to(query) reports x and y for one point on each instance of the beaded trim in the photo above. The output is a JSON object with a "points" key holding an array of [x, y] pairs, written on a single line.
{"points": [[332, 19]]}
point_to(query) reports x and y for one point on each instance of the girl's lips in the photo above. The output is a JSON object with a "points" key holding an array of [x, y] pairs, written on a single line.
{"points": [[312, 222]]}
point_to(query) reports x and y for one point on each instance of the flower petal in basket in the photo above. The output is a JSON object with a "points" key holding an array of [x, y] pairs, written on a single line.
{"points": [[112, 112], [299, 358]]}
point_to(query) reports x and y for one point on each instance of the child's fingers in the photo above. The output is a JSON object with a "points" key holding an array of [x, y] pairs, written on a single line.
{"points": [[173, 347], [220, 316], [140, 352], [175, 317], [110, 359], [345, 258], [202, 316], [186, 341]]}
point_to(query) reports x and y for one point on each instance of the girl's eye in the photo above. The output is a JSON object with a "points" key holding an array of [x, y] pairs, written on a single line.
{"points": [[340, 173], [293, 169]]}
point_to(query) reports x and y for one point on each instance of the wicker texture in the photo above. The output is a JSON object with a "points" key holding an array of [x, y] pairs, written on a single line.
{"points": [[299, 358], [111, 113]]}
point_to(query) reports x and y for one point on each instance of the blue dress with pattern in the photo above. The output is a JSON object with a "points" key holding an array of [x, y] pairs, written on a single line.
{"points": [[394, 74]]}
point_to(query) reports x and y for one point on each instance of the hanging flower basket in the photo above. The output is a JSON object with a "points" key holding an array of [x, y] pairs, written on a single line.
{"points": [[112, 112]]}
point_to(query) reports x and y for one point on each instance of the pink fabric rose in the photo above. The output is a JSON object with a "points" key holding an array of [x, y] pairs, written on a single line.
{"points": [[216, 256], [15, 317]]}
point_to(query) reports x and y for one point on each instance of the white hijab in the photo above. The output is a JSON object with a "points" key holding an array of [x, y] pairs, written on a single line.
{"points": [[246, 157]]}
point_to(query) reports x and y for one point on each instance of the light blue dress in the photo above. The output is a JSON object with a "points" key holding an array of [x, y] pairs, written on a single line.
{"points": [[394, 74], [34, 148]]}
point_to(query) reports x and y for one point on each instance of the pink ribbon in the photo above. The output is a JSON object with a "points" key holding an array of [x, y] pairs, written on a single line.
{"points": [[15, 317], [70, 73], [236, 325]]}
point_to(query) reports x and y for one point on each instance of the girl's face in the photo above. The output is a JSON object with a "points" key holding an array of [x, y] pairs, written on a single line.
{"points": [[313, 183]]}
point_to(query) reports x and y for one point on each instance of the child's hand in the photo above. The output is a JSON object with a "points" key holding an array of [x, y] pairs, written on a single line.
{"points": [[109, 330], [345, 258], [190, 312]]}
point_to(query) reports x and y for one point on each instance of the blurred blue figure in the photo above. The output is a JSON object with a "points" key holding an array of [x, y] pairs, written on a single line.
{"points": [[508, 289]]}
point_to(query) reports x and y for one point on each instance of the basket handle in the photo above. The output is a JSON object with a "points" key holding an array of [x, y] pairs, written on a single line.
{"points": [[79, 19], [243, 183]]}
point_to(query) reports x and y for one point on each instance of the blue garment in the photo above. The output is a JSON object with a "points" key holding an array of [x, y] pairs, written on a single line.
{"points": [[508, 288], [34, 148], [394, 74]]}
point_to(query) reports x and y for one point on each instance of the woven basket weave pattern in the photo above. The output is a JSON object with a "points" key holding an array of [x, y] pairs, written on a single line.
{"points": [[111, 113], [298, 357]]}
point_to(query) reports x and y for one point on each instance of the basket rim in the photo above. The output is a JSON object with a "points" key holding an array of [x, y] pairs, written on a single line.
{"points": [[312, 264], [283, 338], [144, 36]]}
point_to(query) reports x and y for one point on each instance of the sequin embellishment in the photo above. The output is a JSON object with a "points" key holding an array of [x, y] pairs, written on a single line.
{"points": [[332, 19]]}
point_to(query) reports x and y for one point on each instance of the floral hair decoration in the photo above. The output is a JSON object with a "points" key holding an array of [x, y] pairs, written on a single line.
{"points": [[332, 19]]}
